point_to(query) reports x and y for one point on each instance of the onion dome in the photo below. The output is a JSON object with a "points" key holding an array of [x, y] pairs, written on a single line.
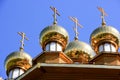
{"points": [[78, 51], [76, 48], [18, 59], [104, 34], [54, 33]]}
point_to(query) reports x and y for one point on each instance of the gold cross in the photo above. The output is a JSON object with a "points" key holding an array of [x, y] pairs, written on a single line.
{"points": [[75, 20], [22, 40], [103, 14], [54, 15]]}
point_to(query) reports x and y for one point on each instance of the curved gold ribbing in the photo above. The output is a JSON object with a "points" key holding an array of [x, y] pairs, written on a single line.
{"points": [[80, 47], [18, 59], [106, 34], [54, 33]]}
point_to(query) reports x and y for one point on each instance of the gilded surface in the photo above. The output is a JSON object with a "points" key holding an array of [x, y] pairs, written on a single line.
{"points": [[53, 36], [106, 33], [79, 46], [18, 59], [55, 33], [53, 28]]}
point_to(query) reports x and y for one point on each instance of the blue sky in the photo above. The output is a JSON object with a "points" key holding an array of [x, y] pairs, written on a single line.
{"points": [[31, 16]]}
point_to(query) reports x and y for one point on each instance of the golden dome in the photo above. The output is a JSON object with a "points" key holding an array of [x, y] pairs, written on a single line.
{"points": [[18, 59], [104, 33], [54, 33], [80, 47]]}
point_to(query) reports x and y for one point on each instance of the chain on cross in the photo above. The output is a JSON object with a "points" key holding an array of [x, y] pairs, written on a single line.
{"points": [[75, 20], [54, 15], [22, 40]]}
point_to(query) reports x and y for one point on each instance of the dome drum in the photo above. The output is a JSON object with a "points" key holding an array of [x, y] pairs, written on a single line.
{"points": [[102, 38], [19, 60], [105, 34], [96, 46], [54, 33], [18, 63], [54, 37]]}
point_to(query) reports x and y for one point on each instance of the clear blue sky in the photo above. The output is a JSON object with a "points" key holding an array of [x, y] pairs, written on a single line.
{"points": [[31, 16]]}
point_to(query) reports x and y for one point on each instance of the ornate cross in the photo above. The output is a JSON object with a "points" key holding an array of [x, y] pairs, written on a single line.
{"points": [[54, 15], [102, 15], [75, 20], [22, 40]]}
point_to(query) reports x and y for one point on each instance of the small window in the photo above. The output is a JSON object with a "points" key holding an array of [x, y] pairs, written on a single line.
{"points": [[59, 48], [52, 46], [100, 48], [47, 47], [10, 74], [15, 73], [106, 47], [21, 71], [113, 48]]}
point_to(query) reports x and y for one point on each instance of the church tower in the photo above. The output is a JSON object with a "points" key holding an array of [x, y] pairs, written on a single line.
{"points": [[53, 40], [16, 63], [79, 51], [105, 40]]}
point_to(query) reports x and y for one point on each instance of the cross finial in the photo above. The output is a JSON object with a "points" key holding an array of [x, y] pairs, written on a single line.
{"points": [[103, 14], [54, 15], [75, 20], [22, 40]]}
